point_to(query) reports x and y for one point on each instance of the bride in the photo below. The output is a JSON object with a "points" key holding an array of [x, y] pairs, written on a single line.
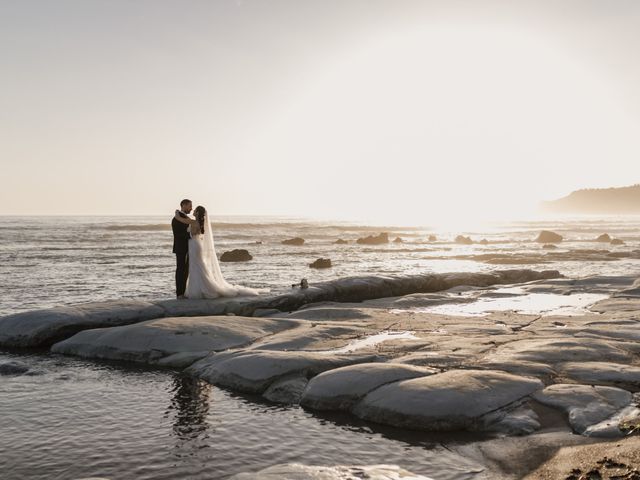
{"points": [[205, 277]]}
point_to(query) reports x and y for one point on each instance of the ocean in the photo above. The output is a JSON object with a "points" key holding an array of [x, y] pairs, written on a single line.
{"points": [[51, 261]]}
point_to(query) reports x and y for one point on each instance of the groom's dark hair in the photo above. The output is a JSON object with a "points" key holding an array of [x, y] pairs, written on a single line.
{"points": [[185, 201]]}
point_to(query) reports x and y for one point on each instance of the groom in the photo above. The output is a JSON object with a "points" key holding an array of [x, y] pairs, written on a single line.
{"points": [[181, 239]]}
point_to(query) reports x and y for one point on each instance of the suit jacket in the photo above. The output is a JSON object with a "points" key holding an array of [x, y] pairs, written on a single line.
{"points": [[180, 235]]}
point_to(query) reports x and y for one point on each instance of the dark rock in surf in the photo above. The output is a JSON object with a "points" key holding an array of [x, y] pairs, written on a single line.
{"points": [[604, 238], [294, 241], [548, 237], [321, 263], [374, 239], [237, 255], [462, 240]]}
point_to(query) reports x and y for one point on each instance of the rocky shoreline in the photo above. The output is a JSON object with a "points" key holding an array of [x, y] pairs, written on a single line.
{"points": [[532, 383]]}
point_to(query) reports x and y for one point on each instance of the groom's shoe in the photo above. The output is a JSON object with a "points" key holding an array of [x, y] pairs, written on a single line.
{"points": [[181, 297]]}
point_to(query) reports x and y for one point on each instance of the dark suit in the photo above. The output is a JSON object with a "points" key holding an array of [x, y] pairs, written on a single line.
{"points": [[181, 249]]}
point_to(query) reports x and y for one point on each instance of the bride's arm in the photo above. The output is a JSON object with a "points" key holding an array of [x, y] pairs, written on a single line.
{"points": [[184, 219]]}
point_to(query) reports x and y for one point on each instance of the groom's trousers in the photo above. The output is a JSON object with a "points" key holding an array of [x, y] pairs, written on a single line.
{"points": [[182, 272]]}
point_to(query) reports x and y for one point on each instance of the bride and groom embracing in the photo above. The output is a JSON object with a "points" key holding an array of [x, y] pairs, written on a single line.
{"points": [[198, 273]]}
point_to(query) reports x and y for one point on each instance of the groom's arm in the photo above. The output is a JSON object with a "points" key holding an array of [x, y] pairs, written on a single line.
{"points": [[182, 217]]}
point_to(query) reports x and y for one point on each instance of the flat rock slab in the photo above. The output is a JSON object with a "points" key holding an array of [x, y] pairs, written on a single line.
{"points": [[454, 400], [44, 327], [174, 342], [613, 305], [295, 471], [586, 406], [341, 388], [554, 350], [603, 373], [253, 371]]}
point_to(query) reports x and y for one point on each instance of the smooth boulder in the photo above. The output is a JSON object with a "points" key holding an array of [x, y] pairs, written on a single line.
{"points": [[42, 328], [587, 406], [341, 388], [174, 342], [454, 400], [253, 371]]}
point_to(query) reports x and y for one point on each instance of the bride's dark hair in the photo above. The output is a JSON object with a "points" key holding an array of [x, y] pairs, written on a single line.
{"points": [[199, 214]]}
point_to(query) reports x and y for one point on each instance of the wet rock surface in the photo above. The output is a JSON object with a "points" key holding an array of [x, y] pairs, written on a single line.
{"points": [[42, 328]]}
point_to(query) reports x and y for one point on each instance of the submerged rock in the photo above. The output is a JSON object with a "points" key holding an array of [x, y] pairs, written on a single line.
{"points": [[295, 471], [454, 400], [549, 237], [433, 238], [340, 242], [374, 239], [398, 240], [293, 241], [617, 241], [549, 246], [287, 391], [603, 238], [13, 367], [321, 263], [341, 388], [237, 255]]}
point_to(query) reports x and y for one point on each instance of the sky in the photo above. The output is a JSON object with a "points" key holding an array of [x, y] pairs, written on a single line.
{"points": [[393, 110]]}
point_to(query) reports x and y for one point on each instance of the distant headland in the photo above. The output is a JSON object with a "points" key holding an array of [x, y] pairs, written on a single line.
{"points": [[621, 200]]}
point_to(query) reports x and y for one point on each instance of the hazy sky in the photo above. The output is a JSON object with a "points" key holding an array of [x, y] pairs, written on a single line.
{"points": [[391, 109]]}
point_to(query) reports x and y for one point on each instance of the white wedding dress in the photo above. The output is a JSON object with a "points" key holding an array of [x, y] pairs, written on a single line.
{"points": [[205, 277]]}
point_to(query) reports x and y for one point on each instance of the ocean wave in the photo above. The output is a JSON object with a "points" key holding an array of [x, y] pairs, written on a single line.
{"points": [[392, 230]]}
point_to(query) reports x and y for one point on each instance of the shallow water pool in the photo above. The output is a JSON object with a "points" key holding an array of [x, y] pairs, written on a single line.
{"points": [[76, 418]]}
